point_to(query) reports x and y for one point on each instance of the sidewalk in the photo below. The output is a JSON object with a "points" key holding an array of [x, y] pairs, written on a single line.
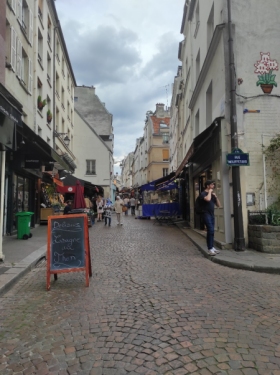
{"points": [[22, 255], [250, 260]]}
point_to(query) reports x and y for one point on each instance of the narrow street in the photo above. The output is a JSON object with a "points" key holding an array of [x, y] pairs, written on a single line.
{"points": [[154, 306]]}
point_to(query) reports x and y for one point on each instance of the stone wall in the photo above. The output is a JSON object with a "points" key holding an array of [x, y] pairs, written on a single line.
{"points": [[264, 238]]}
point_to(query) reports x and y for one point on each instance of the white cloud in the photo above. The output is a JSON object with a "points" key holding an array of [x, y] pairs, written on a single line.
{"points": [[128, 50]]}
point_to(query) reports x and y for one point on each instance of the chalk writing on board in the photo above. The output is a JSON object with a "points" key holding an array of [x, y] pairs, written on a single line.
{"points": [[60, 240], [67, 227], [65, 259]]}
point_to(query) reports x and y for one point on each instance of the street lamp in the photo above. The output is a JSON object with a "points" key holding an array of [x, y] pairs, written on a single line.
{"points": [[66, 139]]}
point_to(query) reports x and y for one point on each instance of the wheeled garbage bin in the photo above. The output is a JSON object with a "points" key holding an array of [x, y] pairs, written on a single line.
{"points": [[23, 225]]}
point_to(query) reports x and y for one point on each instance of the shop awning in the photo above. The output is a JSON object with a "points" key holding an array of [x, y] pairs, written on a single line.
{"points": [[163, 183], [165, 179], [69, 181]]}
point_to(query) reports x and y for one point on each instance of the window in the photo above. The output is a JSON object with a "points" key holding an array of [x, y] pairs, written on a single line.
{"points": [[165, 138], [40, 8], [210, 26], [164, 172], [11, 56], [40, 48], [209, 105], [165, 155], [197, 123], [49, 68], [49, 31], [90, 167], [197, 21], [197, 65]]}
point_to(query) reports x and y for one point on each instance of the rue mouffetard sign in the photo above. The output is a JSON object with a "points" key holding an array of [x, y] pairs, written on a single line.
{"points": [[238, 158]]}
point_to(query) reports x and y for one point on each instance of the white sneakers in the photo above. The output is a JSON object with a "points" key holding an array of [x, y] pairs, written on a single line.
{"points": [[213, 251]]}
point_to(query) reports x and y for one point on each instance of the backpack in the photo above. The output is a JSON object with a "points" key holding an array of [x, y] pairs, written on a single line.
{"points": [[198, 206]]}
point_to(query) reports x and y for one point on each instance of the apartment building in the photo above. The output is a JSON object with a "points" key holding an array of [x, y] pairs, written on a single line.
{"points": [[202, 103], [139, 163], [95, 113], [94, 157], [126, 166], [39, 76]]}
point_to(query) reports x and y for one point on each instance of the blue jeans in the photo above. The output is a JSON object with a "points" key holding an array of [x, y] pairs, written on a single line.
{"points": [[209, 221], [107, 220]]}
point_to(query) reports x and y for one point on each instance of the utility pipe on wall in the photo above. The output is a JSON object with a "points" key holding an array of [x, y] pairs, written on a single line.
{"points": [[3, 162]]}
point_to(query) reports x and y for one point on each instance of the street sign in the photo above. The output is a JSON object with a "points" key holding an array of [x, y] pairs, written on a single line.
{"points": [[238, 158]]}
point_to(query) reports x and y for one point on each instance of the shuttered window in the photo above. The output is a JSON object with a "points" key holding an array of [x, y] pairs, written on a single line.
{"points": [[13, 48], [165, 155]]}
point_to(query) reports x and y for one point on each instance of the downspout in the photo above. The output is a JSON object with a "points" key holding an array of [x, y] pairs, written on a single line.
{"points": [[239, 240], [3, 161]]}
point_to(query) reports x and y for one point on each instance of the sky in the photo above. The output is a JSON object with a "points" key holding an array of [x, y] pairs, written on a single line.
{"points": [[127, 50]]}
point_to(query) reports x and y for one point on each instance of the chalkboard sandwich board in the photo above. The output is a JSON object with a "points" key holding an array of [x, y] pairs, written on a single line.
{"points": [[68, 246]]}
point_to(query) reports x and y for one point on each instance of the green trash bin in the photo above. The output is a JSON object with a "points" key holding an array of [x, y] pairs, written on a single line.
{"points": [[23, 225]]}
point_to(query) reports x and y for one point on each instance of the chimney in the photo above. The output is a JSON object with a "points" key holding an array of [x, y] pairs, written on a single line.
{"points": [[160, 110]]}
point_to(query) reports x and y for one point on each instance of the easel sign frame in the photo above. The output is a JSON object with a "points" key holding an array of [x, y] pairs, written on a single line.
{"points": [[68, 246]]}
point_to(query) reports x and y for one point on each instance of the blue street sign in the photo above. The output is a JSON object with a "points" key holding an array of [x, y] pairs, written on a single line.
{"points": [[238, 158]]}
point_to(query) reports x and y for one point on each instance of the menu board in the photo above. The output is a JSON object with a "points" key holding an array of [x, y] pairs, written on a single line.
{"points": [[68, 245]]}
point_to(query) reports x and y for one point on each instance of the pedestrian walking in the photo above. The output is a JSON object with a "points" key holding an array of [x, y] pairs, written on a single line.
{"points": [[118, 208], [107, 215], [100, 205], [210, 199], [126, 203], [132, 202]]}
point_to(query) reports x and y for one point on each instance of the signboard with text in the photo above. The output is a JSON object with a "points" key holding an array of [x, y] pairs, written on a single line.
{"points": [[238, 158]]}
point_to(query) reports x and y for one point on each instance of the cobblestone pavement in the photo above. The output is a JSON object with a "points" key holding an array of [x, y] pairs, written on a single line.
{"points": [[154, 306]]}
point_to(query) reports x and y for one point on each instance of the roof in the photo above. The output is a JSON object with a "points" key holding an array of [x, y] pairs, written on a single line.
{"points": [[157, 121]]}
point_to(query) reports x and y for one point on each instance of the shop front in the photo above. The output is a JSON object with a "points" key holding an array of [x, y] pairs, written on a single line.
{"points": [[207, 163], [10, 121]]}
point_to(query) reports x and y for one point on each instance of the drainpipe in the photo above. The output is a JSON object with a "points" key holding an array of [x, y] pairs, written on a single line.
{"points": [[3, 159], [239, 240]]}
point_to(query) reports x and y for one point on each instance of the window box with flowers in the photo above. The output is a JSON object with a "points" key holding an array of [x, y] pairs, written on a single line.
{"points": [[49, 116], [41, 103]]}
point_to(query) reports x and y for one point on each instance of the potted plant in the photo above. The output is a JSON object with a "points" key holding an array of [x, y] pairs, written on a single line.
{"points": [[49, 116], [265, 67], [41, 103]]}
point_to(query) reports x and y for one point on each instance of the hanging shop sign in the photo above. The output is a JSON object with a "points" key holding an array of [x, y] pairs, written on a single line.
{"points": [[32, 162], [238, 158]]}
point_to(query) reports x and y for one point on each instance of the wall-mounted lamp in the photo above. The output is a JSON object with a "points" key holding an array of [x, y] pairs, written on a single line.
{"points": [[66, 139]]}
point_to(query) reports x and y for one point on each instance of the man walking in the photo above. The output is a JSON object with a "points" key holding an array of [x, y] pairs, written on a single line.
{"points": [[132, 205], [118, 208], [209, 201]]}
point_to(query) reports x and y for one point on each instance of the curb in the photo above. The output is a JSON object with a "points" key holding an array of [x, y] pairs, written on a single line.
{"points": [[246, 265], [14, 274]]}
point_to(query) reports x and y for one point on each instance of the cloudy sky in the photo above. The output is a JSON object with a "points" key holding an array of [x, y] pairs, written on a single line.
{"points": [[128, 50]]}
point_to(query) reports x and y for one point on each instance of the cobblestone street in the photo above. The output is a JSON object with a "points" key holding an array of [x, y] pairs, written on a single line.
{"points": [[155, 305]]}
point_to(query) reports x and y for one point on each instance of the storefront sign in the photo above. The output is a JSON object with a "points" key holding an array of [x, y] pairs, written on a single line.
{"points": [[32, 162], [238, 158]]}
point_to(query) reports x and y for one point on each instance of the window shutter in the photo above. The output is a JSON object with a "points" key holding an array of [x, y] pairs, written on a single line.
{"points": [[13, 48], [19, 58], [30, 76], [30, 27], [165, 154], [19, 11]]}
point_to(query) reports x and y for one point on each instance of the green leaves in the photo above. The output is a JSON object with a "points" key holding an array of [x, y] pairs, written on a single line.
{"points": [[267, 79]]}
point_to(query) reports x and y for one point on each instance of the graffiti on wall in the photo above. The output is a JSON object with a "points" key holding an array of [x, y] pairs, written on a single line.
{"points": [[264, 68]]}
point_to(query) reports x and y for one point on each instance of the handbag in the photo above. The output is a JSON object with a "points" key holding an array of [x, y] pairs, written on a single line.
{"points": [[124, 209]]}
